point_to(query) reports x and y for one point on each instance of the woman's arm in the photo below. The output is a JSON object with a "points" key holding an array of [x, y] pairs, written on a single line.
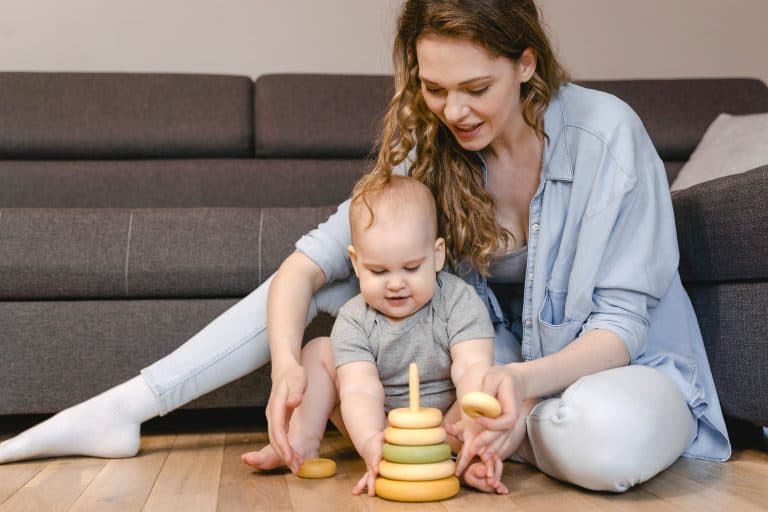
{"points": [[592, 352], [290, 293], [362, 409]]}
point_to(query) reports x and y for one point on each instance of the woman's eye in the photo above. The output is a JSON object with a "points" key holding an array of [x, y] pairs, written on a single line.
{"points": [[433, 90], [478, 92]]}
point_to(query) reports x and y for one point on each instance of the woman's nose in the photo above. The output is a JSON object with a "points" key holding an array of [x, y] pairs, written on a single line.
{"points": [[455, 108]]}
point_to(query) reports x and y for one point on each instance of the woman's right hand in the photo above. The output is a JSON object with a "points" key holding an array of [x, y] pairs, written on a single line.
{"points": [[288, 386]]}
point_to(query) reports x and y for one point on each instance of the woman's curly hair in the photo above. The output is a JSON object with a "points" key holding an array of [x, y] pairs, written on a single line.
{"points": [[465, 209]]}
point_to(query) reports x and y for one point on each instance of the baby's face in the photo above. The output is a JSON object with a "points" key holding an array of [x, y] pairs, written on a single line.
{"points": [[396, 264]]}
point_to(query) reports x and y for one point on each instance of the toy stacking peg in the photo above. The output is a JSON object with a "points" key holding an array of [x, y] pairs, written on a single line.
{"points": [[416, 463], [414, 416]]}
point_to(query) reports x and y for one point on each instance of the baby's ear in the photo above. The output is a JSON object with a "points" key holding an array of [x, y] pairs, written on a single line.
{"points": [[439, 254], [353, 258]]}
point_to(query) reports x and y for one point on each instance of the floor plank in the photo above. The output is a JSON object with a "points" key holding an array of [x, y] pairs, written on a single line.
{"points": [[56, 487], [242, 488], [189, 479], [124, 484], [14, 476]]}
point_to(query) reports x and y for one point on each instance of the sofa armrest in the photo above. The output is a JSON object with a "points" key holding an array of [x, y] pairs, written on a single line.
{"points": [[721, 227]]}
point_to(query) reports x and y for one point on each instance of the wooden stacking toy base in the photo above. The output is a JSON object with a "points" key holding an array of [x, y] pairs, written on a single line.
{"points": [[317, 468], [432, 490], [416, 463]]}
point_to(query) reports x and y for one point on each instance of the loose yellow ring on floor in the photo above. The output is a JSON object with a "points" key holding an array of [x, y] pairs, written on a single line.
{"points": [[423, 417], [477, 403], [414, 436], [416, 454], [417, 472], [317, 468], [432, 490]]}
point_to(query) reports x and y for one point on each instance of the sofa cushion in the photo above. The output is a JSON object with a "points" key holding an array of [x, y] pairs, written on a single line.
{"points": [[145, 253], [177, 183], [731, 144], [677, 112], [124, 115], [319, 116], [721, 227]]}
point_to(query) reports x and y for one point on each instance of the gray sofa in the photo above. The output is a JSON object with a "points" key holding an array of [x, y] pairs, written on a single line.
{"points": [[134, 208]]}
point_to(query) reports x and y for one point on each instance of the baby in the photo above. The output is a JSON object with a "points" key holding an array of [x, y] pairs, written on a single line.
{"points": [[408, 310]]}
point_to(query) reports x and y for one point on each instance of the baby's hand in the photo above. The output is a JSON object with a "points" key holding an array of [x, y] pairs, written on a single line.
{"points": [[485, 476], [371, 454]]}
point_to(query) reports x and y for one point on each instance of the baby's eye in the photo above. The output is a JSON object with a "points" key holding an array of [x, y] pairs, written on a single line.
{"points": [[412, 269], [377, 271]]}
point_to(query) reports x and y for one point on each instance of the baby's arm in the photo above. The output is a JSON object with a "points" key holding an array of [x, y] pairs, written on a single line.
{"points": [[362, 409], [471, 360]]}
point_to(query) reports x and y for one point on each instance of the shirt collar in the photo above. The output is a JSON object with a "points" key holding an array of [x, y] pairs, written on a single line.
{"points": [[555, 164]]}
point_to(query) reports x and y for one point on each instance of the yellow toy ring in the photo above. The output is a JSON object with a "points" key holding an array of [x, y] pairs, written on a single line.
{"points": [[417, 472], [416, 454], [317, 468], [477, 403], [432, 490], [423, 417], [414, 437]]}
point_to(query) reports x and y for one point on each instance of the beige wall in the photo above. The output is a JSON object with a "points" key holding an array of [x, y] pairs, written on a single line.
{"points": [[595, 38]]}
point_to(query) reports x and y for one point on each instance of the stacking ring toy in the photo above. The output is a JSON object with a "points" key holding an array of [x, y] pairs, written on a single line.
{"points": [[414, 416], [317, 468], [417, 472], [477, 403], [432, 490], [415, 436], [416, 454]]}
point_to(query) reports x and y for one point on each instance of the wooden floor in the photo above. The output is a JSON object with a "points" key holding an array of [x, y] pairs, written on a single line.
{"points": [[202, 472]]}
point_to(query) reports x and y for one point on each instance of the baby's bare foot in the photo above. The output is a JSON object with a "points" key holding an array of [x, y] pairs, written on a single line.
{"points": [[264, 459]]}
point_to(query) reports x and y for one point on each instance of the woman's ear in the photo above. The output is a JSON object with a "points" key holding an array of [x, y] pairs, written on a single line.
{"points": [[527, 64], [439, 254], [353, 258]]}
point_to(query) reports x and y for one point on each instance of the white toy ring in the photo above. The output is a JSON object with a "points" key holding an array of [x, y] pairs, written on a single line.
{"points": [[317, 468], [477, 403], [431, 490], [417, 472], [414, 436]]}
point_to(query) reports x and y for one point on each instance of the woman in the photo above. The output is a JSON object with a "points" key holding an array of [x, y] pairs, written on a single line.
{"points": [[550, 195]]}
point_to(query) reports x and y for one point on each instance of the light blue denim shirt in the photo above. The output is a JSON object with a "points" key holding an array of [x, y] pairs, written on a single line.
{"points": [[602, 254]]}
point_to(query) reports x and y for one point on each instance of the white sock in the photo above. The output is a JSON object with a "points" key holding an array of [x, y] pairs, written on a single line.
{"points": [[107, 425]]}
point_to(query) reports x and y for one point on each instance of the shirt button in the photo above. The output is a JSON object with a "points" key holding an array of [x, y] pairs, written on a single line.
{"points": [[530, 276], [535, 227], [528, 324]]}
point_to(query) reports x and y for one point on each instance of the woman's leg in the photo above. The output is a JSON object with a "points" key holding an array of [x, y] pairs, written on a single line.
{"points": [[611, 430], [231, 346]]}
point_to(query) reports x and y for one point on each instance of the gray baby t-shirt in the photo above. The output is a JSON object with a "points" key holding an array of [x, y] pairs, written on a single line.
{"points": [[455, 314]]}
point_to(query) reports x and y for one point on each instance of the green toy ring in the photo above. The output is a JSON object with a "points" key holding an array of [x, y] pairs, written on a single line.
{"points": [[416, 454]]}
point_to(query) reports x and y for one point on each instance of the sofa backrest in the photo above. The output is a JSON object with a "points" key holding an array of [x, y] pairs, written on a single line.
{"points": [[124, 116]]}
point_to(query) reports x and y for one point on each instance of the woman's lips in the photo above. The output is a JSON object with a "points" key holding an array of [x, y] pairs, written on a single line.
{"points": [[467, 132]]}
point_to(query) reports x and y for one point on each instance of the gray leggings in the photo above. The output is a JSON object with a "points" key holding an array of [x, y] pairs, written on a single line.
{"points": [[607, 431]]}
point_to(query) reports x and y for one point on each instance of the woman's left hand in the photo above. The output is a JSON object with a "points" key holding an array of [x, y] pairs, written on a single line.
{"points": [[494, 437]]}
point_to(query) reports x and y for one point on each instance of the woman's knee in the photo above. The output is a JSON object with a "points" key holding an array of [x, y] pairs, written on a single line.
{"points": [[612, 430]]}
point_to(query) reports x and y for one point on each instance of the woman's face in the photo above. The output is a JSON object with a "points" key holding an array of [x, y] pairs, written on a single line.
{"points": [[474, 93]]}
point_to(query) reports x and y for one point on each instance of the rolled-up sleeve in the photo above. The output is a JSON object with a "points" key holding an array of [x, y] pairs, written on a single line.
{"points": [[327, 244], [639, 258]]}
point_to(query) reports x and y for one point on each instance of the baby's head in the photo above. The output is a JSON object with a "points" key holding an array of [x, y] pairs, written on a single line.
{"points": [[395, 249]]}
